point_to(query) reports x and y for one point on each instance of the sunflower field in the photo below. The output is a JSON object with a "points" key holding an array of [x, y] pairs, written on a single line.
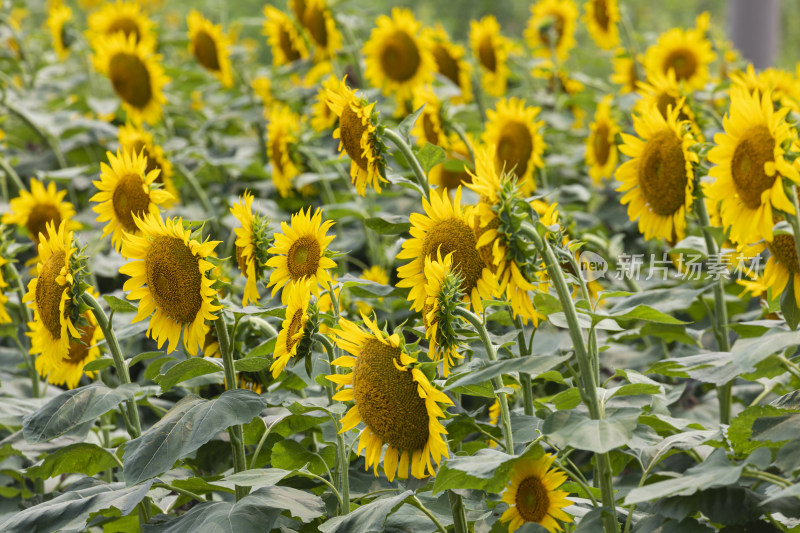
{"points": [[311, 267]]}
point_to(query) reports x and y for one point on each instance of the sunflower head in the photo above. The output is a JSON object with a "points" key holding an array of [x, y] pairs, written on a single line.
{"points": [[601, 145], [137, 140], [209, 45], [551, 28], [58, 17], [262, 87], [318, 21], [297, 326], [252, 242], [442, 296], [626, 71], [35, 209], [394, 399], [491, 49], [429, 127], [686, 53], [120, 17], [665, 92], [450, 62], [601, 20], [282, 135], [283, 37], [322, 116]]}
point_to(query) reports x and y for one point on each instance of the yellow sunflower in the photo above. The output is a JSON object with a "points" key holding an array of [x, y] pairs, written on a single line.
{"points": [[626, 72], [210, 46], [246, 242], [453, 172], [601, 20], [168, 275], [491, 50], [447, 227], [664, 91], [318, 21], [135, 73], [293, 327], [58, 16], [322, 116], [357, 133], [121, 17], [750, 164], [300, 251], [441, 348], [450, 61], [782, 267], [659, 179], [429, 127], [135, 139], [601, 145], [33, 210], [551, 28], [298, 7], [779, 83], [394, 399], [282, 134], [378, 275], [532, 495], [688, 53], [262, 87], [513, 129], [398, 59], [125, 191], [5, 318], [283, 38]]}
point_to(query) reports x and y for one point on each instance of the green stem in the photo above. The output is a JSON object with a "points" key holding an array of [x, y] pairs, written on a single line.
{"points": [[323, 480], [261, 441], [262, 137], [48, 139], [235, 431], [25, 315], [184, 492], [413, 500], [766, 476], [200, 193], [11, 173], [460, 524], [412, 160], [524, 377], [463, 136]]}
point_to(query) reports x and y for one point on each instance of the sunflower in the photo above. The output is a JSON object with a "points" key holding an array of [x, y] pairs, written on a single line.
{"points": [[125, 191], [453, 171], [285, 41], [491, 50], [450, 61], [429, 127], [687, 53], [626, 72], [664, 91], [168, 275], [4, 316], [447, 227], [210, 46], [601, 146], [33, 210], [532, 495], [398, 59], [393, 398], [247, 245], [322, 116], [441, 284], [659, 179], [779, 83], [262, 87], [357, 132], [135, 139], [782, 266], [57, 18], [318, 21], [378, 275], [121, 17], [293, 327], [282, 134], [513, 129], [551, 28], [301, 251], [749, 164], [135, 73], [601, 21]]}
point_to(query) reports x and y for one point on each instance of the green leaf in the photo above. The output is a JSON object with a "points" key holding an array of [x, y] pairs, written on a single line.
{"points": [[78, 458], [119, 305], [368, 518], [788, 401], [291, 455], [777, 428], [429, 156], [302, 505], [741, 429], [72, 408], [404, 128], [98, 364], [259, 477], [533, 365], [370, 286], [145, 356], [251, 364], [187, 426], [579, 431], [221, 517], [388, 224], [632, 389], [789, 307], [640, 312], [486, 470], [188, 369]]}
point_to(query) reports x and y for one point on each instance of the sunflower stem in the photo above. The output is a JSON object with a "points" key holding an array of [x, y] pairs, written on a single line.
{"points": [[460, 524], [235, 431], [11, 173], [584, 363], [524, 377], [463, 136], [413, 500], [49, 139], [497, 382], [191, 179], [412, 160], [25, 315]]}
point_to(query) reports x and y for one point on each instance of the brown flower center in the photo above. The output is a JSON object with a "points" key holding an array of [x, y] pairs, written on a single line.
{"points": [[756, 147], [128, 199], [126, 25], [783, 249], [303, 257], [514, 148], [601, 13], [400, 59], [486, 54], [454, 235], [38, 218], [600, 143], [430, 127], [130, 79], [532, 500], [79, 349], [299, 7], [152, 163], [314, 21], [445, 64], [205, 50], [554, 28], [662, 173], [48, 293], [295, 326], [351, 131], [174, 278], [683, 61], [287, 45]]}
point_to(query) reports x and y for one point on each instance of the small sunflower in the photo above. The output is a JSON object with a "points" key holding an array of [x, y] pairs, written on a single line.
{"points": [[551, 28], [445, 227], [121, 17], [626, 72], [442, 290], [5, 318], [135, 73], [58, 16], [322, 116], [687, 53], [378, 275], [491, 50], [168, 275], [33, 210], [532, 495], [318, 21], [659, 179], [782, 267], [250, 241], [601, 145], [450, 61], [429, 127], [358, 137], [135, 139], [262, 87], [394, 399], [750, 164], [210, 46], [513, 129], [282, 134], [779, 83], [601, 20], [293, 327], [301, 251], [454, 171], [126, 191], [283, 38]]}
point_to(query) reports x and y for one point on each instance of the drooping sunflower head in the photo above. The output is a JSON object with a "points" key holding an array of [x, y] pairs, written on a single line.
{"points": [[293, 329], [513, 129], [357, 132], [251, 245], [601, 145], [125, 192], [322, 116], [122, 17], [209, 45], [283, 37], [532, 495], [136, 75], [601, 20], [750, 165], [398, 58], [491, 50], [687, 53], [282, 134], [445, 227], [551, 28], [393, 398], [33, 210], [782, 267], [58, 17], [169, 275], [659, 179], [450, 61], [442, 296], [301, 251], [429, 127], [626, 72], [318, 21], [137, 140]]}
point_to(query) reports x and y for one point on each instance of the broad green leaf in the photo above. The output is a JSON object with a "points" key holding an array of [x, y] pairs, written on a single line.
{"points": [[188, 369], [579, 431], [632, 389], [302, 505], [740, 432], [486, 470], [144, 356], [368, 518], [221, 517], [429, 156], [405, 127], [98, 364], [78, 458], [291, 455], [788, 401], [187, 426], [388, 224], [252, 364], [777, 428], [370, 286], [533, 365], [119, 305], [259, 477], [789, 307]]}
